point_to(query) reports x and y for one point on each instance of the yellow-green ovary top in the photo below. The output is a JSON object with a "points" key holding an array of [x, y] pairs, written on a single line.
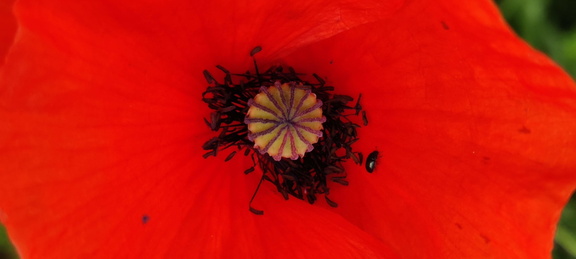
{"points": [[284, 120]]}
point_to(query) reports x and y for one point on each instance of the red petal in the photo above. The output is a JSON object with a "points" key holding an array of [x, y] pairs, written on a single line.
{"points": [[102, 129], [476, 132], [7, 28]]}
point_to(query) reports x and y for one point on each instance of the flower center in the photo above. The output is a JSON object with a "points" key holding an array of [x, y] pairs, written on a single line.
{"points": [[284, 120], [297, 132]]}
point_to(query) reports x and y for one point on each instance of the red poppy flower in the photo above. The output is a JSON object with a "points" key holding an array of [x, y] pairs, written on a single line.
{"points": [[102, 131]]}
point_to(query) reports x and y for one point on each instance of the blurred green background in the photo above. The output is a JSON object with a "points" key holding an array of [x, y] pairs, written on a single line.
{"points": [[548, 25], [6, 249]]}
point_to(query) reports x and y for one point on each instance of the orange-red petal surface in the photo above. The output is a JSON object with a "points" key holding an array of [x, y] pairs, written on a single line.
{"points": [[7, 28], [476, 132], [100, 141]]}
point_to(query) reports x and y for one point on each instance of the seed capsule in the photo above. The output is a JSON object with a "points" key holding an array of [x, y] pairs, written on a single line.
{"points": [[284, 120]]}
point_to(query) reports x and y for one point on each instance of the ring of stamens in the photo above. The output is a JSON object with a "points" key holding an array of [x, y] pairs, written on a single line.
{"points": [[284, 120]]}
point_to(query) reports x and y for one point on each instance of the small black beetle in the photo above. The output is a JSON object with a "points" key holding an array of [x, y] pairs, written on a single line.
{"points": [[371, 161]]}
